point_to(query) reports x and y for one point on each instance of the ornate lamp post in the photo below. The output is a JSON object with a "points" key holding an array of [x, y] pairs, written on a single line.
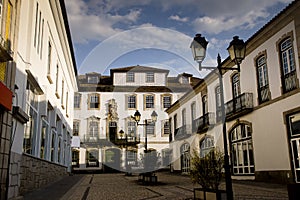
{"points": [[237, 51], [137, 118]]}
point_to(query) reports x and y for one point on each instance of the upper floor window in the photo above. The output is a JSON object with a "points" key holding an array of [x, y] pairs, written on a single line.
{"points": [[183, 117], [193, 111], [288, 70], [166, 127], [166, 101], [56, 82], [262, 78], [149, 101], [218, 103], [94, 101], [131, 101], [93, 129], [204, 105], [130, 77], [77, 100], [93, 79], [149, 77], [150, 129], [49, 61], [131, 128], [76, 128], [236, 89]]}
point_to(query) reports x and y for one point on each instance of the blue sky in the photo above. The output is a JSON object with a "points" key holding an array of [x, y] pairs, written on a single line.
{"points": [[118, 33]]}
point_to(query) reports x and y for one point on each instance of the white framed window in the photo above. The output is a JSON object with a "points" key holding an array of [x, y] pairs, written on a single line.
{"points": [[236, 88], [32, 125], [49, 61], [131, 128], [77, 100], [131, 101], [130, 77], [166, 127], [62, 94], [93, 129], [185, 158], [204, 105], [167, 100], [94, 101], [93, 79], [56, 82], [150, 129], [242, 150], [183, 117], [150, 77], [149, 101], [76, 125], [44, 137], [262, 78]]}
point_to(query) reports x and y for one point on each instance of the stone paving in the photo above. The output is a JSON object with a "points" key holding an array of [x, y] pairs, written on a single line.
{"points": [[170, 186]]}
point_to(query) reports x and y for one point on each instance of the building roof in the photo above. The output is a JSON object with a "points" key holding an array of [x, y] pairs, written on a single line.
{"points": [[138, 68]]}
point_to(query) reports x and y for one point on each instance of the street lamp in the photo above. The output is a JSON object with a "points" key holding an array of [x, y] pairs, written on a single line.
{"points": [[137, 118], [237, 51]]}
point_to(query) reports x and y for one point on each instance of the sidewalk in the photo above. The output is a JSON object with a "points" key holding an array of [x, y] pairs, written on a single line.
{"points": [[170, 186]]}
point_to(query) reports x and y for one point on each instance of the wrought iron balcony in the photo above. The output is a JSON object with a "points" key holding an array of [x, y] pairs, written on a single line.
{"points": [[203, 123], [181, 133], [127, 141], [5, 51], [290, 81], [239, 106], [264, 94]]}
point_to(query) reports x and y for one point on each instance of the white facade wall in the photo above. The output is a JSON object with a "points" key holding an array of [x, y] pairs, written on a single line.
{"points": [[140, 79]]}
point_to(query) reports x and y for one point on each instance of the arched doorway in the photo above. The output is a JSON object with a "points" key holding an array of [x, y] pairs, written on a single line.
{"points": [[185, 158], [92, 158]]}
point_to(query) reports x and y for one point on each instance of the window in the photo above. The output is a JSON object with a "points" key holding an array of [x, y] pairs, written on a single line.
{"points": [[36, 23], [49, 63], [44, 135], [93, 130], [242, 150], [62, 94], [94, 101], [193, 111], [288, 70], [204, 105], [149, 77], [175, 121], [39, 33], [131, 128], [76, 128], [262, 78], [149, 101], [185, 158], [32, 124], [93, 79], [77, 100], [131, 101], [236, 89], [42, 36], [67, 103], [56, 87], [130, 77], [53, 141], [206, 145], [183, 117], [166, 127], [294, 137], [166, 101], [131, 157], [150, 129], [218, 103]]}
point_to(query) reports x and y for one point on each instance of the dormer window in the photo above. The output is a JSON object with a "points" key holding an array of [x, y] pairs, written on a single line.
{"points": [[93, 79], [130, 77], [185, 80], [149, 77]]}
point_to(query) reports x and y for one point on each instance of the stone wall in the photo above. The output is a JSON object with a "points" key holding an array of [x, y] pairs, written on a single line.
{"points": [[36, 173], [14, 175]]}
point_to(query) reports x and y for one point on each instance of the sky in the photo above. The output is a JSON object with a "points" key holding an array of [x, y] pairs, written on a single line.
{"points": [[157, 33]]}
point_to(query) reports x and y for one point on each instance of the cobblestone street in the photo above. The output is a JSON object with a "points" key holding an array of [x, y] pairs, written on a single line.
{"points": [[170, 186]]}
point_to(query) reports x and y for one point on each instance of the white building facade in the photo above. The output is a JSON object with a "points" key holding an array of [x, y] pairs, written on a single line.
{"points": [[105, 136], [45, 83], [261, 105]]}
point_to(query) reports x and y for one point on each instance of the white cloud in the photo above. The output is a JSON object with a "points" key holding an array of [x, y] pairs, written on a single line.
{"points": [[86, 25], [177, 18]]}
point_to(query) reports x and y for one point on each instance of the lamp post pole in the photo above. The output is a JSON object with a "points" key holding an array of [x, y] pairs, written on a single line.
{"points": [[237, 51]]}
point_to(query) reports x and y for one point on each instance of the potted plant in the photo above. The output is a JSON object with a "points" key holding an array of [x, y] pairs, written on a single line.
{"points": [[207, 171]]}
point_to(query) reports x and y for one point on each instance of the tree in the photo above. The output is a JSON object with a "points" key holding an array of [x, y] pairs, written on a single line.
{"points": [[207, 170]]}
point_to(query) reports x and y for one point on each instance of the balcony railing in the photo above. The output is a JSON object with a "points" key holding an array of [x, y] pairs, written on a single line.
{"points": [[203, 123], [264, 94], [127, 141], [290, 81], [5, 51], [239, 106], [181, 133]]}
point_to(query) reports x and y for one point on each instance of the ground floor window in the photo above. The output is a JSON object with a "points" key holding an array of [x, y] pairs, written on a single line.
{"points": [[206, 145], [241, 150], [185, 158], [75, 158], [92, 158], [294, 135]]}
